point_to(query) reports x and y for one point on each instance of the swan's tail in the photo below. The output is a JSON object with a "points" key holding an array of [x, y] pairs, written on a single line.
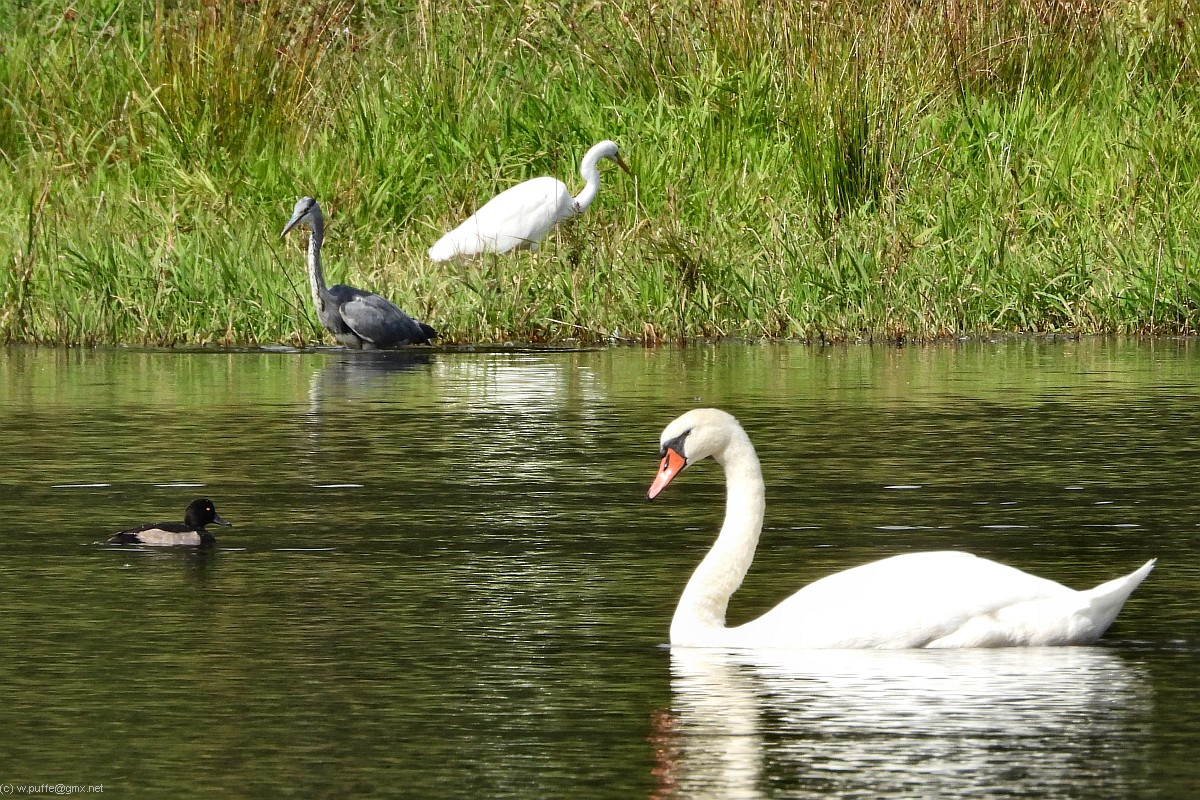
{"points": [[1106, 600]]}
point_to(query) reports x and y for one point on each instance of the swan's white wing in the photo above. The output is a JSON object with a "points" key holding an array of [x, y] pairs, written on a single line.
{"points": [[520, 216], [910, 600]]}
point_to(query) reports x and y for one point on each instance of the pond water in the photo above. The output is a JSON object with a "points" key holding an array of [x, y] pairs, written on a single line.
{"points": [[443, 579]]}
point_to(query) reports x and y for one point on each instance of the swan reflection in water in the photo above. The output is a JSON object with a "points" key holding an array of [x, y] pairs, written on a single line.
{"points": [[1021, 722]]}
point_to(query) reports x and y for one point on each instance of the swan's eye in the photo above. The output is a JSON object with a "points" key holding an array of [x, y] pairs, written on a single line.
{"points": [[675, 444]]}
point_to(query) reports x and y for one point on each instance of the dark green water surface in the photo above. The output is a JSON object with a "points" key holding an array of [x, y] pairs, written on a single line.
{"points": [[443, 579]]}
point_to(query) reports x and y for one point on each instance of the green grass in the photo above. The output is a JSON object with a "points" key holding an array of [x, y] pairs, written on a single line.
{"points": [[803, 170]]}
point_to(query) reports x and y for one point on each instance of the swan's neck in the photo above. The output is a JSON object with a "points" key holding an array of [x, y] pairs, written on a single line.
{"points": [[316, 278], [591, 177], [700, 616]]}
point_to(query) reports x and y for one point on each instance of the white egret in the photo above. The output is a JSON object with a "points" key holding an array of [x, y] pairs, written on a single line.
{"points": [[939, 599], [521, 216], [356, 318]]}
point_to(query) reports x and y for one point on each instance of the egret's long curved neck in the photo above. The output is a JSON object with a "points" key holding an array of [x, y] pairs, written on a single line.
{"points": [[591, 176], [316, 278], [700, 614]]}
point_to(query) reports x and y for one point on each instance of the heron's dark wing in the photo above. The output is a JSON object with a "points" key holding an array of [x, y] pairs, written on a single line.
{"points": [[380, 322]]}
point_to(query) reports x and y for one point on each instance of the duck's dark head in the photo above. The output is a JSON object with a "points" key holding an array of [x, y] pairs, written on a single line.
{"points": [[202, 512]]}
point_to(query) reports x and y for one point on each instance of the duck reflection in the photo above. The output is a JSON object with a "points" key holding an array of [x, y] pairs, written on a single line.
{"points": [[1051, 722], [198, 564]]}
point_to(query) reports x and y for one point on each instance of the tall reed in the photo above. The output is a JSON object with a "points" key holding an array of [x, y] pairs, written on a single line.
{"points": [[812, 170]]}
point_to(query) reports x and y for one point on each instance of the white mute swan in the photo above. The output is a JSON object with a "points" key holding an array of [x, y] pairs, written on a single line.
{"points": [[940, 599]]}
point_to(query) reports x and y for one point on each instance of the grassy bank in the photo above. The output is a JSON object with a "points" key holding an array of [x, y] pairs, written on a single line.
{"points": [[802, 170]]}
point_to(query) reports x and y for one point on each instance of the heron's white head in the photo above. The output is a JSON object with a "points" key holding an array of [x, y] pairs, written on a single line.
{"points": [[698, 434], [306, 210]]}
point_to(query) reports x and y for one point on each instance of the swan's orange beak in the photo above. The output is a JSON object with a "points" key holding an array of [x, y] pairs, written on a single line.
{"points": [[671, 464]]}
